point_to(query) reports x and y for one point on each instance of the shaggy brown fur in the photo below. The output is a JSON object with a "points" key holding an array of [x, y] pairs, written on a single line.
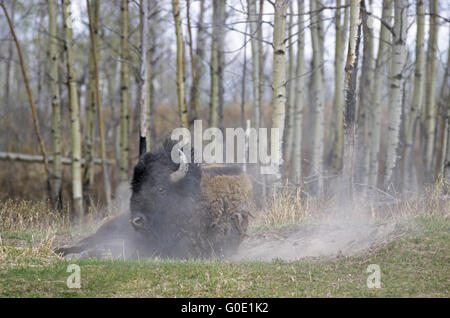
{"points": [[224, 210]]}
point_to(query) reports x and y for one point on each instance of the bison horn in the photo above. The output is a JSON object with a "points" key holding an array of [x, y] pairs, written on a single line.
{"points": [[182, 170]]}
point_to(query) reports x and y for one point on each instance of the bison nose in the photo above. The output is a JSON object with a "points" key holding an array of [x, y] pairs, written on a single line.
{"points": [[138, 222]]}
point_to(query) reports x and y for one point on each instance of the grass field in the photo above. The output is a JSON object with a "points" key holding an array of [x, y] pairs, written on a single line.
{"points": [[417, 264]]}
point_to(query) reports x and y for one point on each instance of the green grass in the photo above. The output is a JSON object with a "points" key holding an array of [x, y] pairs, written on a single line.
{"points": [[416, 265]]}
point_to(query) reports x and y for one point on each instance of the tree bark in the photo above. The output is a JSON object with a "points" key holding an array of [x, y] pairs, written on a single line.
{"points": [[77, 193], [351, 67], [379, 78], [417, 98], [56, 107], [93, 28], [338, 102], [143, 101], [365, 133], [198, 61], [430, 96], [291, 94], [90, 115], [299, 97], [194, 102], [319, 123], [443, 121], [395, 103], [252, 16], [184, 120], [124, 93], [279, 84]]}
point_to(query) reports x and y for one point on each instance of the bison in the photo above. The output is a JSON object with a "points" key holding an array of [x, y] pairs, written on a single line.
{"points": [[179, 210]]}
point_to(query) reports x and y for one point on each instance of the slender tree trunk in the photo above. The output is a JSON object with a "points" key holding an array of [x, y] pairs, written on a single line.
{"points": [[406, 159], [243, 83], [379, 79], [90, 114], [261, 62], [124, 94], [299, 97], [447, 155], [444, 121], [319, 124], [9, 62], [143, 101], [252, 17], [214, 69], [93, 28], [291, 94], [395, 104], [77, 193], [198, 60], [56, 107], [430, 90], [184, 120], [365, 133], [338, 102], [351, 67], [194, 102], [279, 83], [221, 58]]}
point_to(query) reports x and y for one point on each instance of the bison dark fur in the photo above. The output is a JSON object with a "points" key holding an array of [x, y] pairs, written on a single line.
{"points": [[181, 210]]}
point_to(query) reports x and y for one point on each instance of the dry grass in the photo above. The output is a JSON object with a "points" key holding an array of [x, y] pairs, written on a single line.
{"points": [[290, 207]]}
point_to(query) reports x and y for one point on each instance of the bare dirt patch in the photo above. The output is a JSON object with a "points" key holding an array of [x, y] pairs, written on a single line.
{"points": [[327, 239]]}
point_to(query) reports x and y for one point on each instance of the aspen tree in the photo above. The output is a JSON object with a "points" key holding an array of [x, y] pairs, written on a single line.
{"points": [[338, 102], [91, 110], [143, 101], [252, 17], [430, 87], [365, 134], [443, 120], [214, 70], [184, 120], [56, 107], [417, 92], [289, 132], [198, 60], [93, 36], [299, 96], [77, 193], [379, 79], [194, 91], [124, 92], [349, 89], [318, 126], [395, 103], [279, 82]]}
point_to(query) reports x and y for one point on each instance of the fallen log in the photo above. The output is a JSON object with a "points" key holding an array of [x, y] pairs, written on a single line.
{"points": [[9, 156]]}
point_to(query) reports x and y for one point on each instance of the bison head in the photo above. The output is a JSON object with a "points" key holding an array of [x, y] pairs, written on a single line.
{"points": [[164, 195]]}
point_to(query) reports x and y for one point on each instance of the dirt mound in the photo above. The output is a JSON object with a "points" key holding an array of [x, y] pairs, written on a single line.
{"points": [[328, 239]]}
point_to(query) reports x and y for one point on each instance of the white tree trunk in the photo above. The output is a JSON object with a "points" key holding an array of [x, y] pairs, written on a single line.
{"points": [[407, 159], [395, 104], [379, 78], [299, 97], [318, 99], [430, 90], [279, 82], [77, 193]]}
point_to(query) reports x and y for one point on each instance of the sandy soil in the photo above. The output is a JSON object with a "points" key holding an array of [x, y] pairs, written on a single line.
{"points": [[328, 239]]}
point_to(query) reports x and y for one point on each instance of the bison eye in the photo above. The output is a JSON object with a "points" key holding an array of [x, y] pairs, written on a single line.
{"points": [[161, 190]]}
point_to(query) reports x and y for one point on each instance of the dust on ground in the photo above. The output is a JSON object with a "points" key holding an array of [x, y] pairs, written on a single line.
{"points": [[327, 239]]}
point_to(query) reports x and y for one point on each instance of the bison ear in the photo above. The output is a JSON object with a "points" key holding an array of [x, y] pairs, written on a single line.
{"points": [[138, 176]]}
